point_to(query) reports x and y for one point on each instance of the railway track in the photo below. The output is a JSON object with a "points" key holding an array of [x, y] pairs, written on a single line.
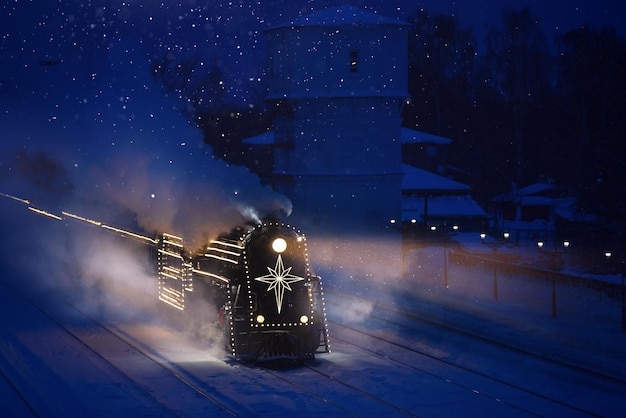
{"points": [[406, 318], [137, 364], [316, 378], [386, 324], [368, 373], [180, 387], [472, 385], [178, 380], [327, 389]]}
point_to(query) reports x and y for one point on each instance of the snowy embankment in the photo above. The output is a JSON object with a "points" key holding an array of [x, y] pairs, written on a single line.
{"points": [[40, 357], [576, 321], [51, 373]]}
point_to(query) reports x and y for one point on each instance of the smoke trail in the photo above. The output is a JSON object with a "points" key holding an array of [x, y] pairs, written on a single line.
{"points": [[95, 136]]}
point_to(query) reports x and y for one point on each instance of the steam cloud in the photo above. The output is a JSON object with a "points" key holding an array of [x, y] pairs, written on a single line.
{"points": [[121, 149], [110, 146]]}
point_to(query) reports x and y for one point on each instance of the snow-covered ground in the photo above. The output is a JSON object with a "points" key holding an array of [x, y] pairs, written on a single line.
{"points": [[508, 304], [47, 363]]}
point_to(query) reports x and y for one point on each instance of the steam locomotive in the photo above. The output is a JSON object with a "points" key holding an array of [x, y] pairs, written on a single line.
{"points": [[257, 276], [270, 303]]}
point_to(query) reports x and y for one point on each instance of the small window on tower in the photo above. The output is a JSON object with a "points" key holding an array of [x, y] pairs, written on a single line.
{"points": [[354, 61]]}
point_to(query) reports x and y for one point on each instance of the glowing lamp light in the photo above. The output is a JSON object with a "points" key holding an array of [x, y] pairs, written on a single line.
{"points": [[304, 319], [260, 319], [279, 245]]}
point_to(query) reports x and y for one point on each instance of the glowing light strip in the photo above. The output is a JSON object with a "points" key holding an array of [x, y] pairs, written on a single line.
{"points": [[212, 275], [173, 303], [90, 221], [221, 258], [15, 198], [227, 244], [165, 234], [172, 291], [172, 269], [44, 213], [80, 218], [131, 234], [171, 254], [171, 276], [175, 244], [219, 250]]}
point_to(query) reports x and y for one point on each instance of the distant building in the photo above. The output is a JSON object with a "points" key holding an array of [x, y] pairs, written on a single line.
{"points": [[432, 200], [338, 82], [337, 86], [428, 198], [533, 212]]}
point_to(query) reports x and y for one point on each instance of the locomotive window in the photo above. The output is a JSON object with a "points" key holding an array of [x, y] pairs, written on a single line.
{"points": [[235, 291], [240, 300]]}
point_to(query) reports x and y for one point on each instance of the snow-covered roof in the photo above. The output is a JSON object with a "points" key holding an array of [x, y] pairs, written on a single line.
{"points": [[441, 206], [536, 201], [421, 180], [565, 208], [530, 190], [345, 15], [411, 136], [407, 136], [266, 138]]}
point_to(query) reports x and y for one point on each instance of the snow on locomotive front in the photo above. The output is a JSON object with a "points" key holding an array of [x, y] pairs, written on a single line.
{"points": [[276, 308]]}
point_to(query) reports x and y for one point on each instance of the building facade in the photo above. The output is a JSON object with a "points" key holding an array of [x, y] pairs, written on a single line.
{"points": [[338, 82]]}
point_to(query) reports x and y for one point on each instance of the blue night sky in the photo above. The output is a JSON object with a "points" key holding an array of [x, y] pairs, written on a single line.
{"points": [[75, 83], [85, 35]]}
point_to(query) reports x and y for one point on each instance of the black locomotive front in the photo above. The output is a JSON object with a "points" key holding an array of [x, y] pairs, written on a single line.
{"points": [[275, 304], [270, 304]]}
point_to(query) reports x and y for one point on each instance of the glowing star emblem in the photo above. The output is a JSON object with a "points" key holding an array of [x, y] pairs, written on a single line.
{"points": [[279, 279]]}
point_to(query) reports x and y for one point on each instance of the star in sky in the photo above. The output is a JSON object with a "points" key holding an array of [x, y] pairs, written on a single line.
{"points": [[279, 279]]}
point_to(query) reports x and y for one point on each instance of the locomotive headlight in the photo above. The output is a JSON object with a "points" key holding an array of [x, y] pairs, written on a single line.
{"points": [[304, 319], [279, 245], [260, 319]]}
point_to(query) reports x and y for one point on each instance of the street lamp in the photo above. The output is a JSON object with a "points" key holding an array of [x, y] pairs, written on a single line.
{"points": [[554, 254], [448, 233], [494, 245], [608, 255]]}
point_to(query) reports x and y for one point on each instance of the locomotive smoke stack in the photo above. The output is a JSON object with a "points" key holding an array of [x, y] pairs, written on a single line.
{"points": [[250, 214], [278, 208]]}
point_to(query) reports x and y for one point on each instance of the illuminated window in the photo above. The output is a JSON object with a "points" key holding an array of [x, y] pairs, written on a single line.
{"points": [[354, 61]]}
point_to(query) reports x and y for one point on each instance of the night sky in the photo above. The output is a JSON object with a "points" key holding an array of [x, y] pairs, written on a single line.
{"points": [[85, 35], [75, 85]]}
